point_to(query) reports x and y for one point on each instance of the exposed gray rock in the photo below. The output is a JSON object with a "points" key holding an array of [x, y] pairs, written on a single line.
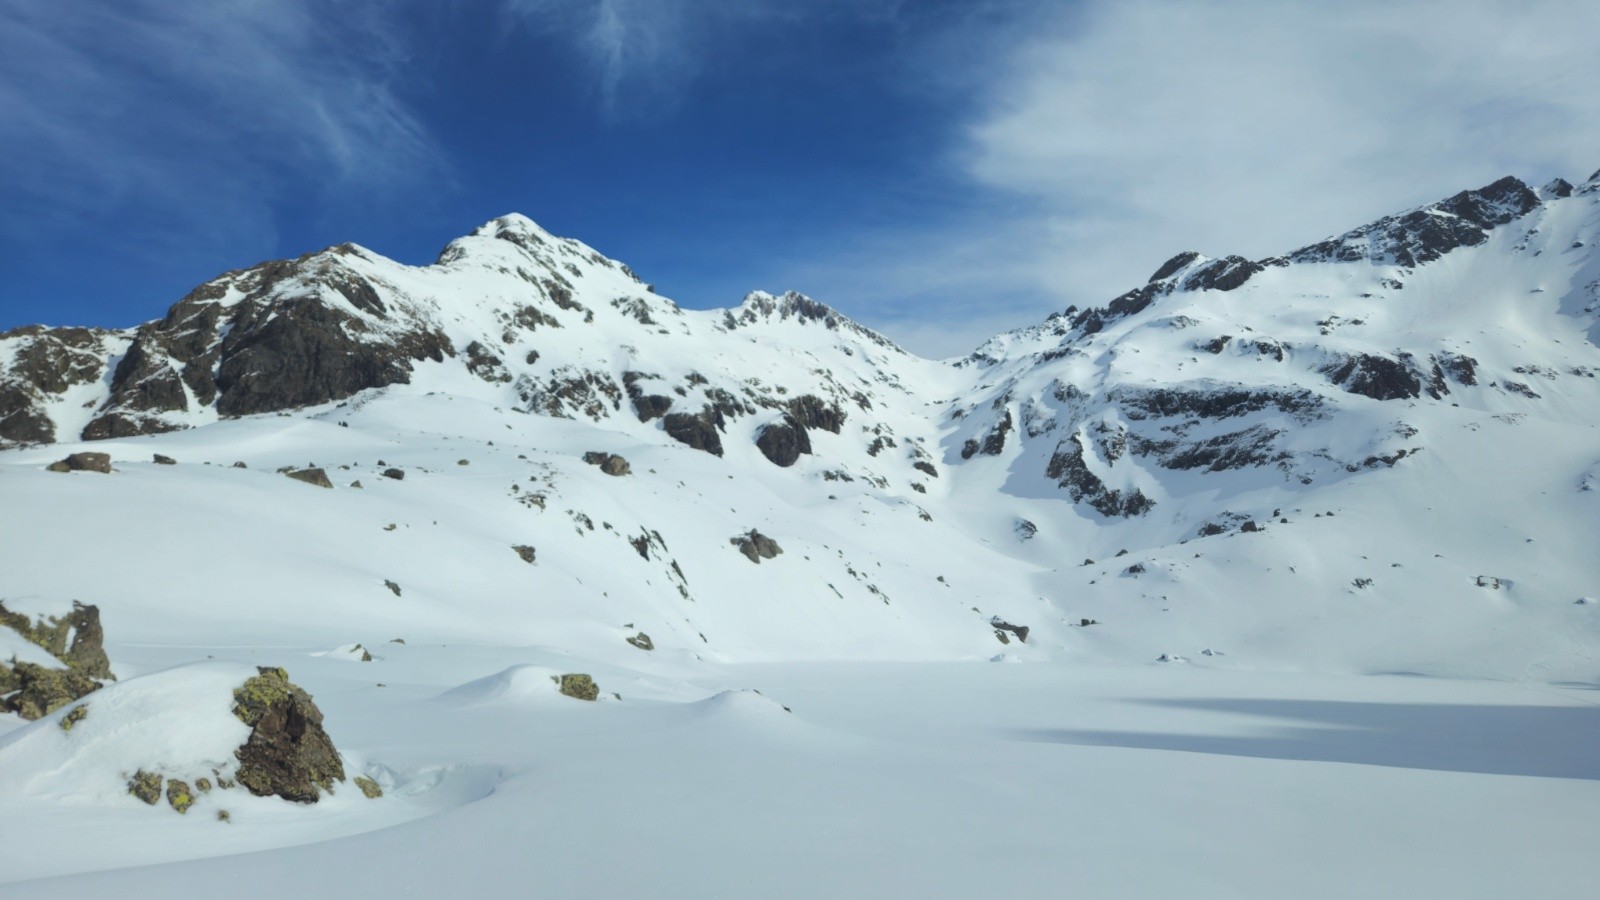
{"points": [[756, 546], [609, 463]]}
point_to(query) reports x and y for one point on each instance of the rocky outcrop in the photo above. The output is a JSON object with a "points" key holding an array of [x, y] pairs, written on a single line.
{"points": [[1423, 235], [34, 691], [288, 754], [1068, 468], [609, 463], [44, 364], [811, 411], [693, 431], [306, 331], [1001, 626], [756, 546], [76, 639], [783, 443], [1378, 377]]}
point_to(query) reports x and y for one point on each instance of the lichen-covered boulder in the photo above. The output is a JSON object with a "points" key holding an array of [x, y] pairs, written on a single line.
{"points": [[73, 636], [288, 755], [579, 686], [72, 664], [40, 691], [179, 796], [146, 786]]}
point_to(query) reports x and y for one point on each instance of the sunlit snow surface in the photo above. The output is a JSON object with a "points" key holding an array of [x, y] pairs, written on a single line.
{"points": [[1392, 690]]}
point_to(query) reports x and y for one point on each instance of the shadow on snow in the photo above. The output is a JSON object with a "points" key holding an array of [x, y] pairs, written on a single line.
{"points": [[1542, 741]]}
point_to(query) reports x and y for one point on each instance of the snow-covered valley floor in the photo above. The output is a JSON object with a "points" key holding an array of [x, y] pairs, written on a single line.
{"points": [[898, 779]]}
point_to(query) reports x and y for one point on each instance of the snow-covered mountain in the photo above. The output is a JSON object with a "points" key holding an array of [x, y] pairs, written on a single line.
{"points": [[1378, 454]]}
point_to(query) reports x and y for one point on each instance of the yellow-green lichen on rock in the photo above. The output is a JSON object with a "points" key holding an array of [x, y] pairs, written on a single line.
{"points": [[73, 717], [252, 699], [369, 787], [179, 797], [579, 686], [288, 754], [146, 786]]}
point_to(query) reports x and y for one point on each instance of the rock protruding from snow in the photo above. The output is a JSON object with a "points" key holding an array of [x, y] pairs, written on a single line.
{"points": [[756, 546], [316, 476], [609, 463], [288, 754], [67, 660], [84, 462], [578, 686]]}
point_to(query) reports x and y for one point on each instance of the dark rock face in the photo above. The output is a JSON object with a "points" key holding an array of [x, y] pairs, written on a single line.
{"points": [[651, 406], [316, 476], [306, 354], [1225, 274], [642, 641], [1378, 377], [811, 411], [756, 546], [924, 466], [1068, 468], [1001, 626], [1422, 236], [1218, 403], [1171, 266], [164, 460], [288, 753], [693, 431], [527, 553], [993, 443], [45, 364], [84, 462], [783, 443], [1462, 368], [396, 474], [484, 364]]}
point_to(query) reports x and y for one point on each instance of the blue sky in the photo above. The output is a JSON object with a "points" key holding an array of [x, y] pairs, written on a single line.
{"points": [[939, 170]]}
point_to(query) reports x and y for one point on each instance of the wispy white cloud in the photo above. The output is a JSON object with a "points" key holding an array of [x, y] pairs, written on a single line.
{"points": [[204, 112], [645, 53], [1119, 132]]}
